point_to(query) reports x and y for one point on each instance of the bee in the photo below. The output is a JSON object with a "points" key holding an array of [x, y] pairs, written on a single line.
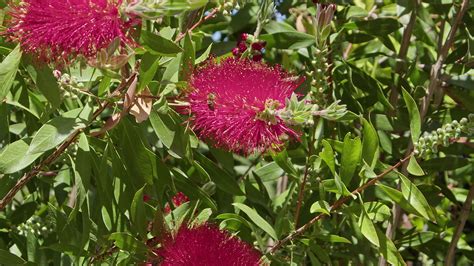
{"points": [[211, 97]]}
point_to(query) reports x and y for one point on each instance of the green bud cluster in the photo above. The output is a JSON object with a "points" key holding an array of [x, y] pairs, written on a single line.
{"points": [[36, 226], [302, 112], [69, 85], [320, 53], [429, 143], [320, 66], [228, 6]]}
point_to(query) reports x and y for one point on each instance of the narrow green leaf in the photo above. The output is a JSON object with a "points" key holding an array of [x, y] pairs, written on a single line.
{"points": [[398, 198], [127, 242], [284, 162], [138, 215], [327, 154], [8, 69], [367, 228], [159, 45], [57, 130], [203, 57], [48, 85], [8, 258], [370, 143], [415, 119], [320, 206], [187, 59], [288, 40], [379, 26], [414, 196], [15, 157], [351, 154], [223, 180], [148, 67], [385, 246], [257, 219], [414, 168]]}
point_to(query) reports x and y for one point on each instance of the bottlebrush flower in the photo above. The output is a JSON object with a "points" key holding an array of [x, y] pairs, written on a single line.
{"points": [[177, 200], [234, 103], [59, 30], [207, 245]]}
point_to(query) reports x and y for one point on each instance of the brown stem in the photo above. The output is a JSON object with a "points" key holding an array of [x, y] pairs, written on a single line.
{"points": [[336, 205], [305, 178], [434, 82], [51, 158], [402, 54], [466, 209], [436, 69], [211, 14]]}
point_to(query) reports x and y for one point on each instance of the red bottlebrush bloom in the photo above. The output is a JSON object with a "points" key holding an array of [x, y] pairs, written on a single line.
{"points": [[230, 103], [242, 46], [146, 198], [257, 46], [207, 245], [236, 51], [257, 57], [58, 30], [177, 200]]}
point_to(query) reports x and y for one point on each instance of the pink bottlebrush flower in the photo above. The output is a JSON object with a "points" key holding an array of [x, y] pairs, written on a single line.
{"points": [[58, 30], [229, 103], [207, 245], [177, 200]]}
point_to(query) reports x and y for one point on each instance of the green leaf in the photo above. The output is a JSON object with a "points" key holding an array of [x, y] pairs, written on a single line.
{"points": [[416, 199], [257, 219], [8, 258], [57, 130], [320, 206], [159, 45], [138, 215], [334, 239], [398, 198], [223, 180], [288, 40], [379, 26], [327, 154], [48, 85], [414, 168], [385, 246], [415, 119], [185, 185], [203, 57], [367, 228], [148, 67], [127, 242], [8, 69], [187, 59], [284, 162], [351, 154], [202, 217], [370, 143], [15, 157]]}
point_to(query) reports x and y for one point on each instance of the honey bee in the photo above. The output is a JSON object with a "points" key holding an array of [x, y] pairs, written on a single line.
{"points": [[211, 97]]}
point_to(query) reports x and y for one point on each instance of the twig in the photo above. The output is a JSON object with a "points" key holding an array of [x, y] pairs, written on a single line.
{"points": [[211, 14], [337, 205], [51, 158], [466, 209], [303, 183], [402, 53], [436, 69], [434, 82]]}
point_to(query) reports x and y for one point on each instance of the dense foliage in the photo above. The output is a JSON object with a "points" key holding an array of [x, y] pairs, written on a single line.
{"points": [[296, 132]]}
